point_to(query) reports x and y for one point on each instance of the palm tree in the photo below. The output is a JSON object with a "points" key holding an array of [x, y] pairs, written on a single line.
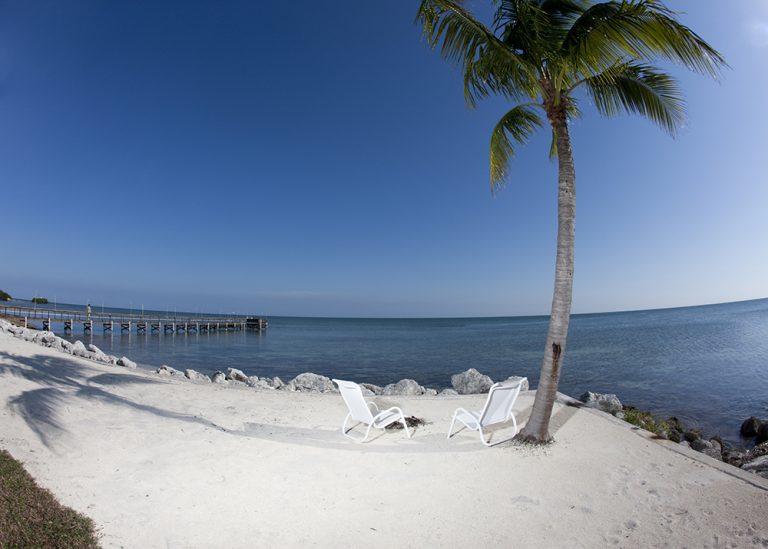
{"points": [[540, 53]]}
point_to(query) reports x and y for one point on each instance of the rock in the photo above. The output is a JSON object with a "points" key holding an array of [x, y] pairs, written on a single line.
{"points": [[762, 433], [621, 415], [44, 338], [78, 349], [233, 374], [690, 436], [708, 448], [700, 444], [375, 389], [524, 386], [430, 392], [290, 386], [98, 354], [259, 382], [66, 345], [750, 427], [404, 387], [219, 378], [471, 382], [734, 457], [757, 465], [193, 375], [685, 443], [607, 403], [312, 383], [165, 370], [448, 392], [113, 360], [366, 391], [673, 434], [277, 382], [126, 363]]}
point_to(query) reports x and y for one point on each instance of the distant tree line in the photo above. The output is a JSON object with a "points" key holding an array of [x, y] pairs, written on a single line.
{"points": [[40, 300], [4, 296]]}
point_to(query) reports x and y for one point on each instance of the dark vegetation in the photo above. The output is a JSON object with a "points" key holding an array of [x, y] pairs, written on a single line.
{"points": [[5, 296], [40, 300], [412, 422], [31, 517]]}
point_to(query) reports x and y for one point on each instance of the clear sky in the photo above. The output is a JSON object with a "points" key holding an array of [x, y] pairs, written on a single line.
{"points": [[293, 158]]}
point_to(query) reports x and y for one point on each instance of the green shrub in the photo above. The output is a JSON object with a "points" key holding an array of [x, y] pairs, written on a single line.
{"points": [[5, 296], [40, 300]]}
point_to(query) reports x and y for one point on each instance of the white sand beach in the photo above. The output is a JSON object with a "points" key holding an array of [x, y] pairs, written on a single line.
{"points": [[161, 462]]}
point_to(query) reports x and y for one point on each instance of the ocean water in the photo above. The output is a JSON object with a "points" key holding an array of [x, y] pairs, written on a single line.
{"points": [[707, 365]]}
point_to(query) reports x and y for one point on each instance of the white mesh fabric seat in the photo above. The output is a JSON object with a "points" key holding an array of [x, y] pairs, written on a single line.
{"points": [[497, 409], [360, 411]]}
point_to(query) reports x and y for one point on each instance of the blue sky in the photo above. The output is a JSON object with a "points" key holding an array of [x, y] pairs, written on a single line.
{"points": [[273, 158]]}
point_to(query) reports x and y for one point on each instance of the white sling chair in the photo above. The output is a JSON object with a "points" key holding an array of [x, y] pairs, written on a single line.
{"points": [[360, 411], [497, 409]]}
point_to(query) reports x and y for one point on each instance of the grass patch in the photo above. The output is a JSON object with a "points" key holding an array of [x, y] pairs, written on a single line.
{"points": [[646, 421], [31, 517]]}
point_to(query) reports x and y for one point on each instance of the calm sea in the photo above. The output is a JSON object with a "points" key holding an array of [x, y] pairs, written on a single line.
{"points": [[707, 365]]}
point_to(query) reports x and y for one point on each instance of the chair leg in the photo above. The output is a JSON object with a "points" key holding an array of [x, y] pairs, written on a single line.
{"points": [[453, 421], [402, 419]]}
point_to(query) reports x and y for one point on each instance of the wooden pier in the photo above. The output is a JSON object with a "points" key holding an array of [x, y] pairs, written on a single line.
{"points": [[140, 323]]}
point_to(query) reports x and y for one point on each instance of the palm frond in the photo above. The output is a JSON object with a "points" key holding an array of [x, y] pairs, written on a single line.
{"points": [[489, 66], [517, 125], [642, 29], [492, 74], [461, 34], [637, 88]]}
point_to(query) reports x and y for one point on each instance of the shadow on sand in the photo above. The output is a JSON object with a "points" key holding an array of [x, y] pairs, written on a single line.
{"points": [[66, 380]]}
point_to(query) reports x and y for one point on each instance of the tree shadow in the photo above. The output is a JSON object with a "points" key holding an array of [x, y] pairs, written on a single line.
{"points": [[66, 380]]}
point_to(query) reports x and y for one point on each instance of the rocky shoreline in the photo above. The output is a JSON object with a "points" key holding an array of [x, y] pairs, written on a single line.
{"points": [[754, 460]]}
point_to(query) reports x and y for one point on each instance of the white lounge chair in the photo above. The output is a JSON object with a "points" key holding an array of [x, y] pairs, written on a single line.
{"points": [[360, 411], [497, 409]]}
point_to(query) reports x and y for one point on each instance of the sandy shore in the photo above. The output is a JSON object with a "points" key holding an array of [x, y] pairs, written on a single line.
{"points": [[160, 462]]}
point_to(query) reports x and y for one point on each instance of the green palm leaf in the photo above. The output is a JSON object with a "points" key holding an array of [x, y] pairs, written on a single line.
{"points": [[610, 31], [515, 126], [641, 89]]}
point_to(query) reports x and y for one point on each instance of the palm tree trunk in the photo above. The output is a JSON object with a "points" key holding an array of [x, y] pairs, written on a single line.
{"points": [[537, 428]]}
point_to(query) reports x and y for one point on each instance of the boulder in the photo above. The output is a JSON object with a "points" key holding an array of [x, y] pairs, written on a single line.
{"points": [[607, 403], [219, 378], [404, 387], [312, 383], [78, 349], [277, 383], [66, 346], [126, 363], [448, 392], [430, 392], [691, 436], [762, 433], [471, 382], [233, 374], [375, 389], [708, 447], [165, 370], [750, 427], [259, 382], [44, 338], [194, 375], [524, 386], [98, 354], [757, 465]]}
